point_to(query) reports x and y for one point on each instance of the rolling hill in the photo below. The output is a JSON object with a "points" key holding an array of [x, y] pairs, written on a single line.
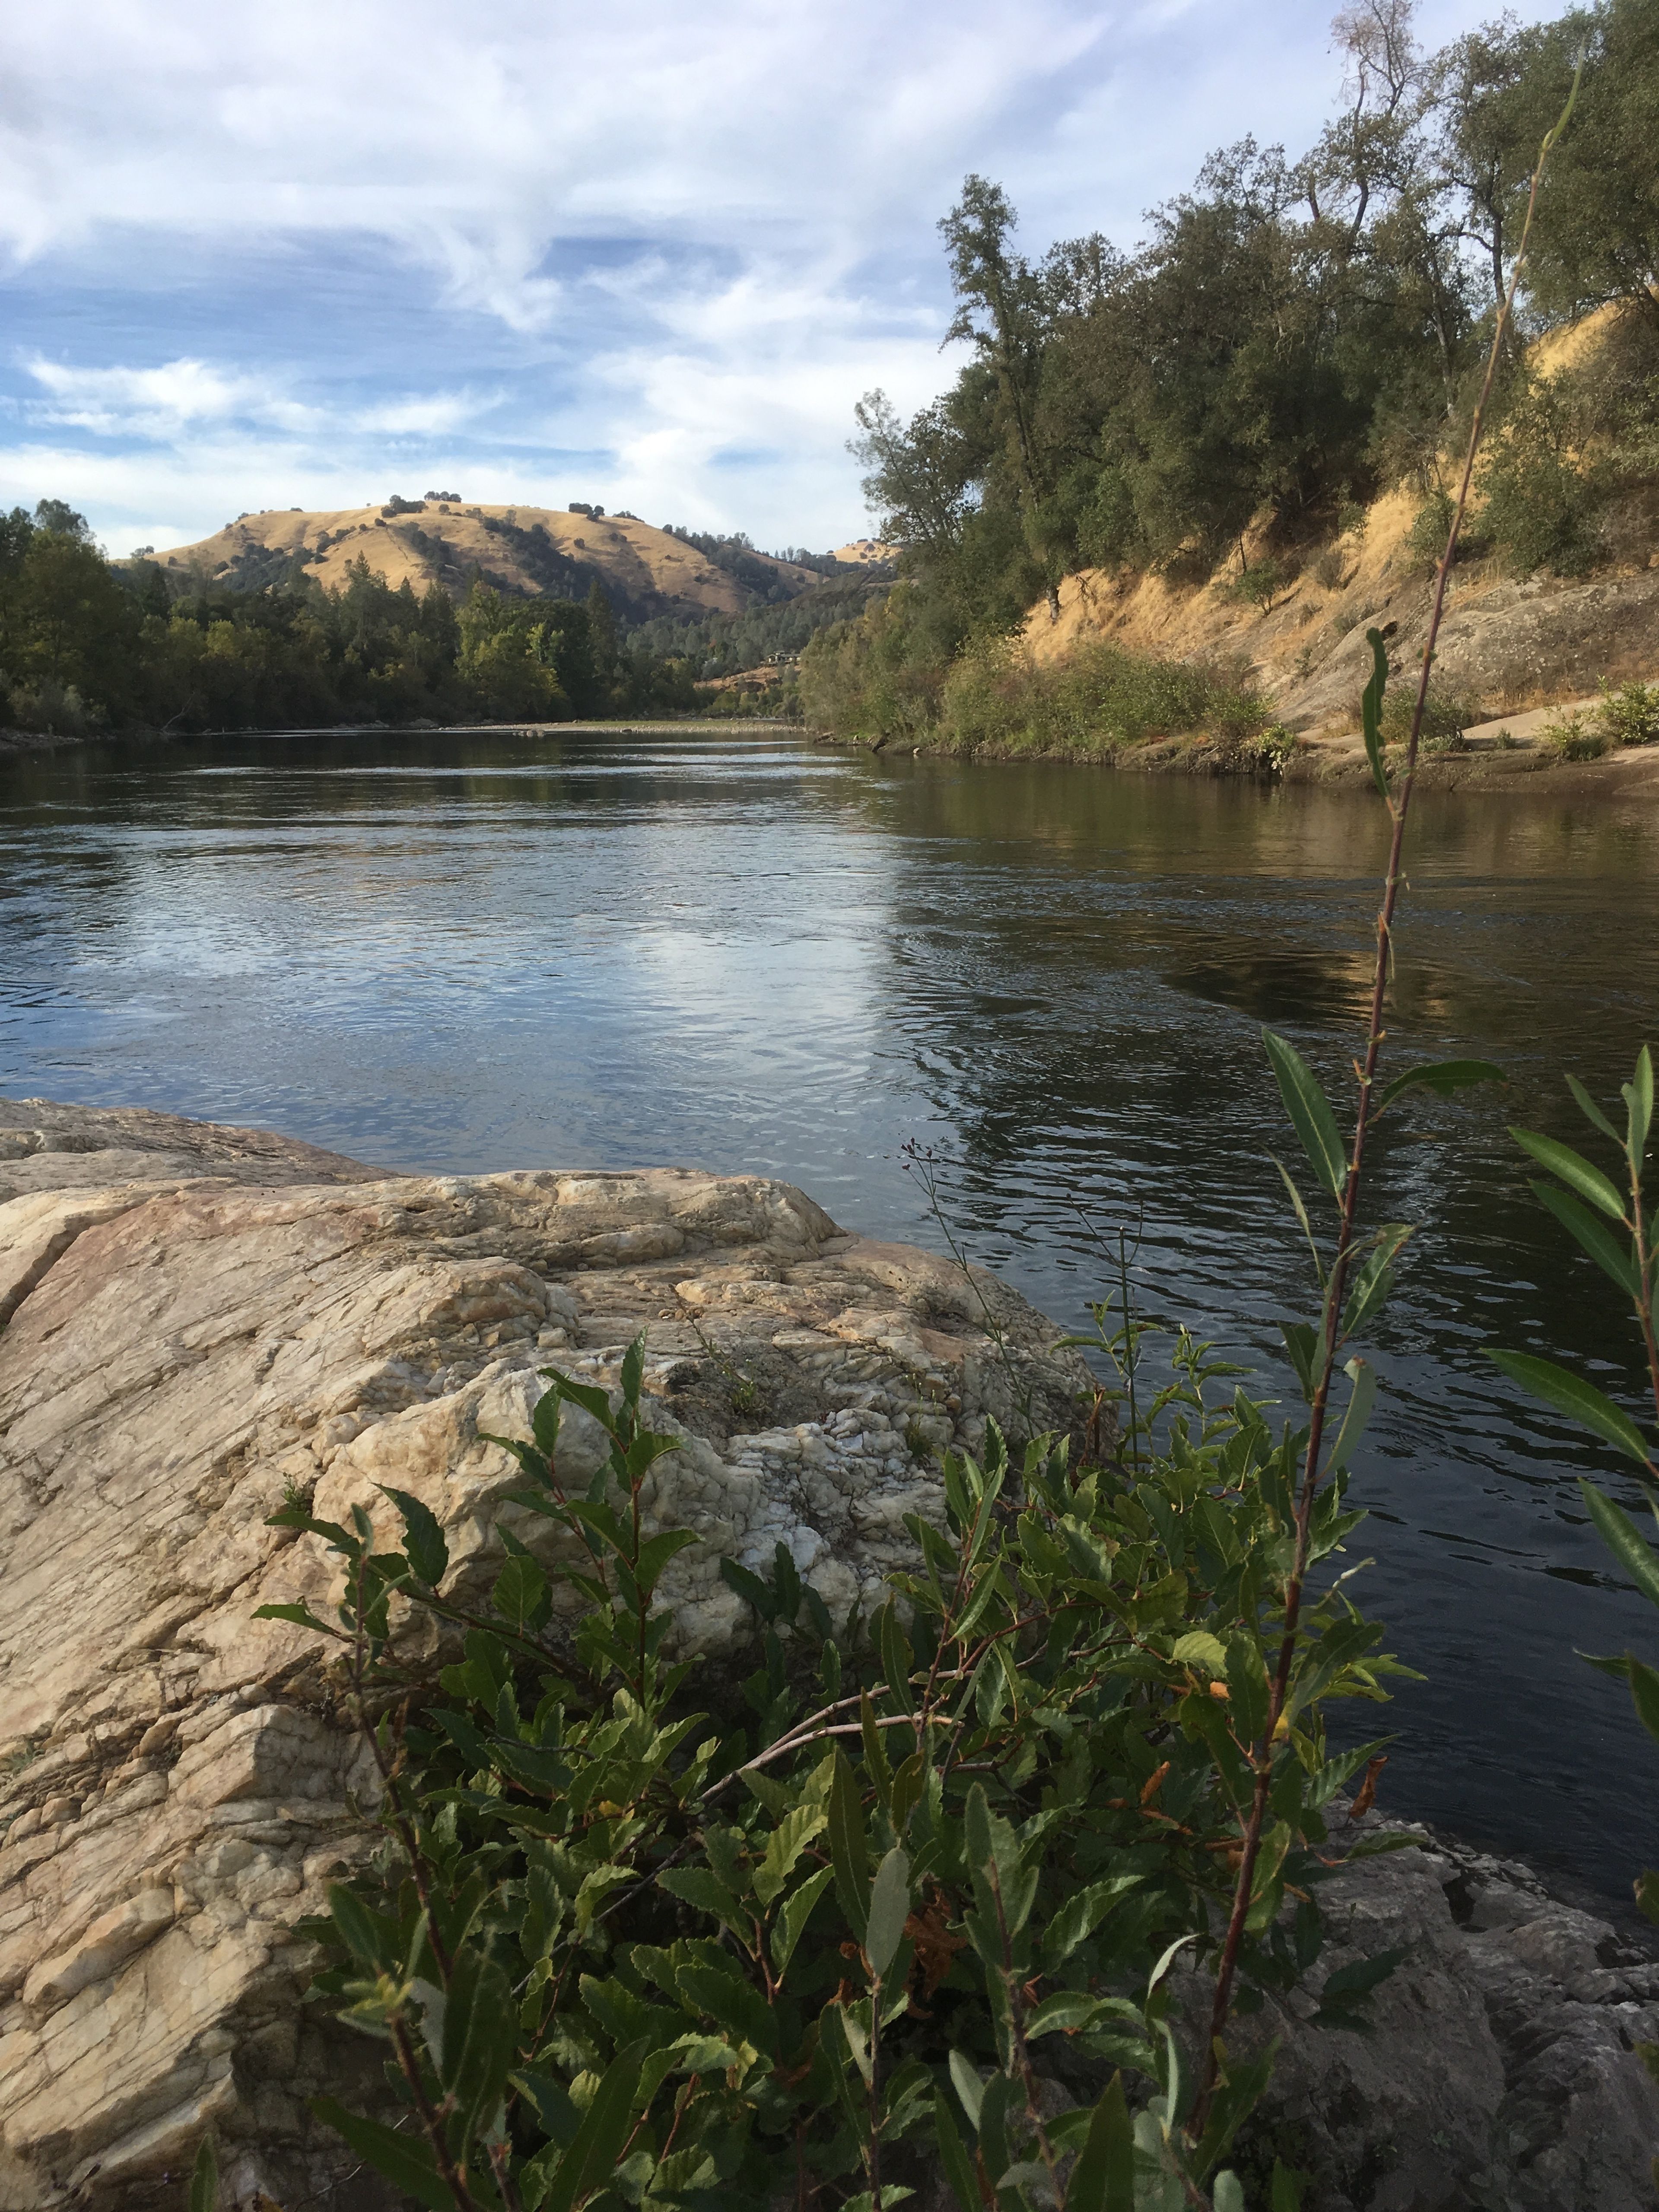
{"points": [[646, 571]]}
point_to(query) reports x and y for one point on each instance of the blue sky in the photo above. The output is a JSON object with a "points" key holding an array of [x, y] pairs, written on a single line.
{"points": [[644, 254]]}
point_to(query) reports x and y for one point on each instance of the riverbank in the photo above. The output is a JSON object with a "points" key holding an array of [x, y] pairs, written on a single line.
{"points": [[226, 1315], [23, 745], [1510, 755]]}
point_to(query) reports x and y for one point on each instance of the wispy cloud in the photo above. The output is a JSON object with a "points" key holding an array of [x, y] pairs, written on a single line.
{"points": [[340, 242]]}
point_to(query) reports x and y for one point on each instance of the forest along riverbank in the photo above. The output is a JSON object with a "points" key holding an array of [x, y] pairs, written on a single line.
{"points": [[456, 952]]}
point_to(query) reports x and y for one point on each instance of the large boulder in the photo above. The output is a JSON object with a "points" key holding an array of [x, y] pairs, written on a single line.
{"points": [[204, 1322]]}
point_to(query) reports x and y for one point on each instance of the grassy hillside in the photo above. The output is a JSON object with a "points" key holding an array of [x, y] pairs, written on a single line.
{"points": [[525, 551]]}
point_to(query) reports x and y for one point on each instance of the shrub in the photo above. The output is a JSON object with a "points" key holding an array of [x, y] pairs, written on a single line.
{"points": [[1329, 569], [1544, 503], [1445, 715], [1263, 583], [1630, 716], [997, 697], [1571, 738], [615, 1944]]}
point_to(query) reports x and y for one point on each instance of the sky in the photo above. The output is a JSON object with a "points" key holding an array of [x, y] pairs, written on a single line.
{"points": [[642, 253]]}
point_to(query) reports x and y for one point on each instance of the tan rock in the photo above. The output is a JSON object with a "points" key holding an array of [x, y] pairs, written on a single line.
{"points": [[208, 1320]]}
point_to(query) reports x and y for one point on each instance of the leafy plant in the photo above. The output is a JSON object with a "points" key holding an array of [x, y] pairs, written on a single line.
{"points": [[1629, 715], [1608, 1217], [623, 1953], [1572, 737]]}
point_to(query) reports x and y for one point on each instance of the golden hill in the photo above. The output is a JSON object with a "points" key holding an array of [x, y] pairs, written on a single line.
{"points": [[530, 549]]}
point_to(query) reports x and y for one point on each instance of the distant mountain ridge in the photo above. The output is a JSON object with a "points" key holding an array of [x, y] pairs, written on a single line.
{"points": [[522, 550]]}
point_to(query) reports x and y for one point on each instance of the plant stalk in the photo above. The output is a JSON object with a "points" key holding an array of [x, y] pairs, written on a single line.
{"points": [[1336, 1287]]}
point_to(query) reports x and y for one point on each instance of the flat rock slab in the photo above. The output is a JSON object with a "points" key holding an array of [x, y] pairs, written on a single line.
{"points": [[201, 1321]]}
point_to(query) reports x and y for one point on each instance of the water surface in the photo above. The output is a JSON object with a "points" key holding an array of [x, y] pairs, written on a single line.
{"points": [[462, 952]]}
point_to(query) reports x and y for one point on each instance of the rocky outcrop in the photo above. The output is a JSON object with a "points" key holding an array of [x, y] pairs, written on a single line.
{"points": [[204, 1320], [1503, 2068]]}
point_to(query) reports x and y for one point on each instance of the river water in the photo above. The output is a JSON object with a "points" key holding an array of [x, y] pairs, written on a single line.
{"points": [[465, 951]]}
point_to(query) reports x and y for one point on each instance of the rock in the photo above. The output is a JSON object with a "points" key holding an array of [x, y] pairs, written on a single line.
{"points": [[1500, 2073], [204, 1320]]}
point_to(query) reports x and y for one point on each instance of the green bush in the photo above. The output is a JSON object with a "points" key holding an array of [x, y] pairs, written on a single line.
{"points": [[1630, 716], [1263, 584], [1446, 714], [1543, 501], [625, 1951], [1571, 738], [999, 699]]}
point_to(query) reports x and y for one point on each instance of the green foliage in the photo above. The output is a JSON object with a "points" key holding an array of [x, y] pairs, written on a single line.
{"points": [[1543, 497], [1262, 583], [624, 1953], [1630, 716], [1445, 715], [1609, 1218], [1573, 738]]}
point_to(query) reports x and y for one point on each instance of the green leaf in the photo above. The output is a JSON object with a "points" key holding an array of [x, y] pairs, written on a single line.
{"points": [[302, 1615], [1371, 709], [1362, 1376], [1301, 1342], [964, 2187], [1571, 1395], [633, 1370], [849, 1855], [545, 1422], [791, 1922], [1082, 1913], [1287, 2188], [1625, 1541], [1247, 1686], [1591, 1111], [586, 2166], [965, 2079], [1443, 1077], [1299, 1208], [204, 2179], [1611, 1256], [521, 1593], [1375, 1278], [423, 1540], [1573, 1169], [1229, 2193], [361, 1931], [1638, 1103], [590, 1396], [749, 1587], [1103, 2178], [1067, 2010], [890, 1908], [656, 1553], [1309, 1111], [1199, 1647], [784, 1846], [1346, 1990], [480, 2038], [405, 2161]]}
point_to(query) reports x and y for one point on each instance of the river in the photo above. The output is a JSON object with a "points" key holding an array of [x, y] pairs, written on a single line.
{"points": [[463, 952]]}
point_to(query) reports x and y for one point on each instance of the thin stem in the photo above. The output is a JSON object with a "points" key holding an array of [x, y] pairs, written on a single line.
{"points": [[430, 2119], [1336, 1287]]}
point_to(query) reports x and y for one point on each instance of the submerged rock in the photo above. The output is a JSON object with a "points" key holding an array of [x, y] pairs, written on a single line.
{"points": [[204, 1320]]}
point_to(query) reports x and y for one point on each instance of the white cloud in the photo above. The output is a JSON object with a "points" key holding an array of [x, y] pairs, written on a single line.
{"points": [[657, 238]]}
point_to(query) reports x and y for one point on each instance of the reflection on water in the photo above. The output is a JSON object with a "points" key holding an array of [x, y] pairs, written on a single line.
{"points": [[472, 952]]}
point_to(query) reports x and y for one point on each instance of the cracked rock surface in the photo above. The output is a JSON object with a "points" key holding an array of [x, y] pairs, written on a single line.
{"points": [[196, 1320]]}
